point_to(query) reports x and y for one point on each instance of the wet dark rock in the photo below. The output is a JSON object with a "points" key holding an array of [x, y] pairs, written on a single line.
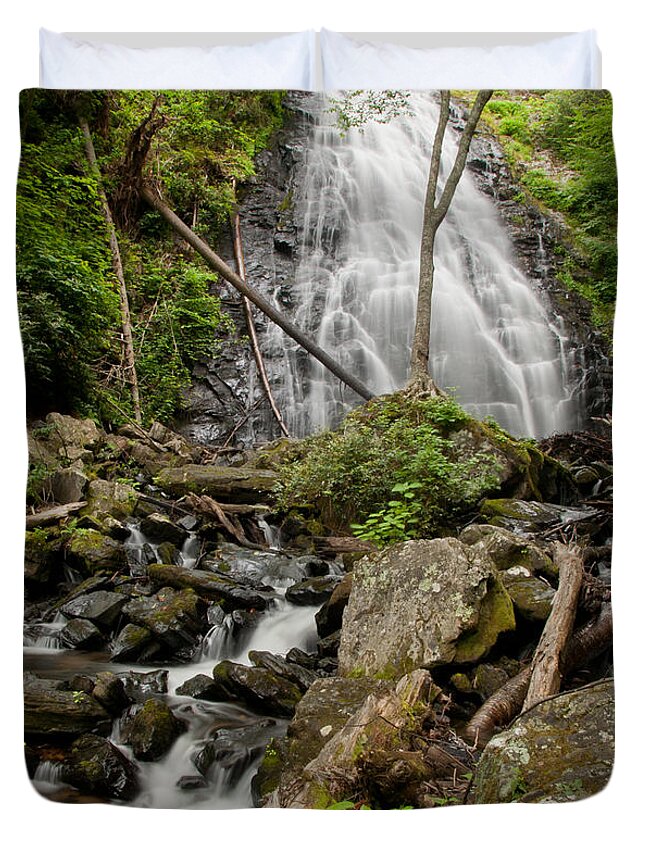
{"points": [[312, 591], [110, 692], [328, 646], [160, 528], [330, 616], [201, 687], [300, 676], [168, 553], [152, 730], [209, 585], [174, 617], [97, 767], [302, 658], [134, 643], [233, 750], [89, 551], [192, 783], [257, 687], [50, 712], [521, 517], [81, 634], [102, 607], [140, 686]]}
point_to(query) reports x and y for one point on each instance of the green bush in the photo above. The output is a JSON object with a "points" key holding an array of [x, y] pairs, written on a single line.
{"points": [[391, 443]]}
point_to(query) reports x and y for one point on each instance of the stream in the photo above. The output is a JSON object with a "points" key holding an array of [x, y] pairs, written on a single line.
{"points": [[173, 782]]}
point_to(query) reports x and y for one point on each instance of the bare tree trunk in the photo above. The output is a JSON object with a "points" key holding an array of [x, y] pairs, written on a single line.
{"points": [[546, 672], [117, 266], [216, 263], [433, 215], [239, 260]]}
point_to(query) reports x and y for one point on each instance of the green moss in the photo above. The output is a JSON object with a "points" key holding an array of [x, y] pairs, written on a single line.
{"points": [[496, 615]]}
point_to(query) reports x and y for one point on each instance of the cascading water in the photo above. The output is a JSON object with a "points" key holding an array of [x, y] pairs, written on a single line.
{"points": [[493, 342]]}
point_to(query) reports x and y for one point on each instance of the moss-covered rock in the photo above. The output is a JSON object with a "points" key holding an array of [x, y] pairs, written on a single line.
{"points": [[90, 552], [152, 730], [238, 485], [560, 750], [110, 498], [175, 617], [532, 597], [97, 767], [53, 712]]}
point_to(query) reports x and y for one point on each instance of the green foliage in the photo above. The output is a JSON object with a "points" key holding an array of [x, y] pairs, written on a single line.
{"points": [[571, 131], [67, 292], [68, 306], [396, 444], [397, 522]]}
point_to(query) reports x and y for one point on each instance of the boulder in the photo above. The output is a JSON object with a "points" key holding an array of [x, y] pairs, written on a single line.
{"points": [[89, 552], [97, 767], [200, 686], [110, 692], [532, 597], [324, 710], [209, 585], [522, 516], [160, 528], [174, 617], [312, 591], [277, 664], [51, 712], [42, 556], [81, 634], [152, 730], [140, 686], [508, 549], [103, 608], [110, 498], [67, 486], [421, 604], [258, 688], [561, 749], [236, 485], [134, 643]]}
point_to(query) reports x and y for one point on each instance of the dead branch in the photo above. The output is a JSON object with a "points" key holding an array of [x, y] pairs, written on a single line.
{"points": [[546, 673], [51, 516]]}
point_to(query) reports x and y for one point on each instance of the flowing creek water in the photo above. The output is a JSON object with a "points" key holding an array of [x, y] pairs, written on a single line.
{"points": [[173, 781], [494, 340]]}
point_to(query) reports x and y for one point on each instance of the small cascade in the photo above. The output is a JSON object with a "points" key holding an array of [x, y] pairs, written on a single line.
{"points": [[45, 635], [493, 343]]}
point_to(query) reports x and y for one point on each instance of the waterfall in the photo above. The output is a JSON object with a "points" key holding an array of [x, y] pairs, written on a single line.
{"points": [[494, 343]]}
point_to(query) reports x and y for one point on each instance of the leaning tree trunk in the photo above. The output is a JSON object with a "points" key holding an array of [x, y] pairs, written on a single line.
{"points": [[546, 673], [117, 266], [216, 263], [433, 215]]}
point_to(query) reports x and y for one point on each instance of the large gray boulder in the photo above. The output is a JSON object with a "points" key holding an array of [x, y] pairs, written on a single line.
{"points": [[559, 750], [420, 604]]}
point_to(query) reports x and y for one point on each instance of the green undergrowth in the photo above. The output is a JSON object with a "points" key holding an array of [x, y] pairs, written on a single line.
{"points": [[394, 467]]}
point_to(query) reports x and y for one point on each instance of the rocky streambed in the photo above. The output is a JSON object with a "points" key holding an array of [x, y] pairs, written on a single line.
{"points": [[186, 647]]}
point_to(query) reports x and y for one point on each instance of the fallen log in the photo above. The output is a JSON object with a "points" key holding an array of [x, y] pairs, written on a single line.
{"points": [[342, 545], [51, 516], [587, 643], [206, 505], [546, 674]]}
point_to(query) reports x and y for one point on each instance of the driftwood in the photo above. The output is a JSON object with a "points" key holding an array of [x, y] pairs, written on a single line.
{"points": [[206, 505], [587, 643], [546, 674], [250, 324], [234, 509], [51, 516], [217, 264]]}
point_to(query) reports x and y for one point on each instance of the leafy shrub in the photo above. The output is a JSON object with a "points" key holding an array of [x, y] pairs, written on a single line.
{"points": [[391, 444]]}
